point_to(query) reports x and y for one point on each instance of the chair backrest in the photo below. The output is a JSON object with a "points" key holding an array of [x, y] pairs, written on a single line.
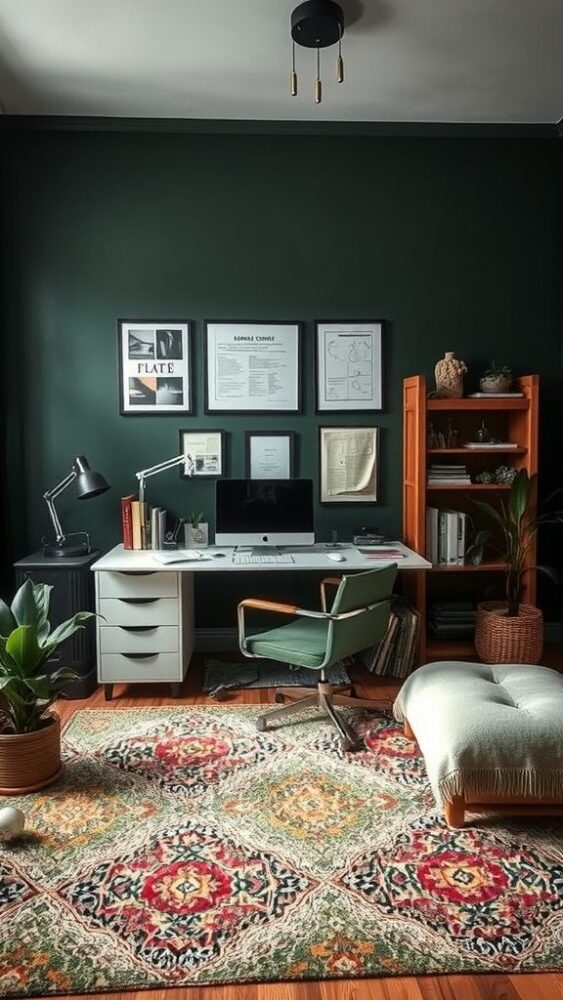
{"points": [[350, 635]]}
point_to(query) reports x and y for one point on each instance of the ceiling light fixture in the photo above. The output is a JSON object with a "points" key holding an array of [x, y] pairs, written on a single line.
{"points": [[317, 24]]}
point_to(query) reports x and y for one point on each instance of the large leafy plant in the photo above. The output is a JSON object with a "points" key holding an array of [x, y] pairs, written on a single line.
{"points": [[26, 643], [519, 520]]}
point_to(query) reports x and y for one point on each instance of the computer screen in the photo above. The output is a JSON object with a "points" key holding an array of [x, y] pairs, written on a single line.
{"points": [[264, 512]]}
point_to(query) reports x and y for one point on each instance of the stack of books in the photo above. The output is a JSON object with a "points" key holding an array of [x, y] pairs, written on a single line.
{"points": [[446, 533], [146, 527], [395, 656], [452, 619], [448, 475]]}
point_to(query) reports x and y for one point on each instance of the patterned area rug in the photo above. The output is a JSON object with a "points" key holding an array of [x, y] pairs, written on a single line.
{"points": [[183, 847]]}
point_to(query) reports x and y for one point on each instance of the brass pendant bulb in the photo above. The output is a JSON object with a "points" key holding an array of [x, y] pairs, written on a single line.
{"points": [[316, 24]]}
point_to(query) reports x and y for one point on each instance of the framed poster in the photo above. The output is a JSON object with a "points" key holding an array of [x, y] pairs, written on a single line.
{"points": [[349, 369], [270, 454], [206, 450], [349, 458], [155, 366], [252, 367]]}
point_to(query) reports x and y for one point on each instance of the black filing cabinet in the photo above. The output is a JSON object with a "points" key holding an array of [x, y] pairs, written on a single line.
{"points": [[73, 590]]}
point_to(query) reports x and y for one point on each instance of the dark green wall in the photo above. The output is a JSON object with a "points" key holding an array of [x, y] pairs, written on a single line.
{"points": [[454, 242]]}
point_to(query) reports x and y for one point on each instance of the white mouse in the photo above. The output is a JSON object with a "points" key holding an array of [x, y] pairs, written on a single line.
{"points": [[336, 557]]}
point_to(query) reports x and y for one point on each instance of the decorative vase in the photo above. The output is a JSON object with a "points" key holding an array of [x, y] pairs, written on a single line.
{"points": [[449, 374], [500, 639], [196, 537], [495, 383], [29, 761]]}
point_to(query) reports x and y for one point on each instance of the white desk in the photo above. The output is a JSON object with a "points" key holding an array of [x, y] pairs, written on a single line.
{"points": [[145, 624]]}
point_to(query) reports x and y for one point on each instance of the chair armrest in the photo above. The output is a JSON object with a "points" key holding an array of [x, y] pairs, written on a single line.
{"points": [[329, 581], [259, 605]]}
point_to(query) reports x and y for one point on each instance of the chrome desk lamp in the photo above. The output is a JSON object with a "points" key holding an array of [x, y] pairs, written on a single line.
{"points": [[170, 463], [88, 484]]}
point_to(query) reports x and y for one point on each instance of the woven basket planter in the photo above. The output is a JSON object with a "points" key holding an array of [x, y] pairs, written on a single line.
{"points": [[29, 761], [500, 639]]}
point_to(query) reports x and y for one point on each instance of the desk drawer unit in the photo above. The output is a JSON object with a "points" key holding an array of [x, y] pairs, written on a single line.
{"points": [[144, 627]]}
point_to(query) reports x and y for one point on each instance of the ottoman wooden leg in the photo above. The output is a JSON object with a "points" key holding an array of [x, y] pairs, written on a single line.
{"points": [[455, 812], [407, 730]]}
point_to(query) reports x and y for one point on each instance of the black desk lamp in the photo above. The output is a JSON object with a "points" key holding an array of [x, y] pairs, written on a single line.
{"points": [[88, 484]]}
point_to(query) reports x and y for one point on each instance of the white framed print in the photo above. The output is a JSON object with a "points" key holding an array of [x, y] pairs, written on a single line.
{"points": [[155, 366], [349, 460], [252, 366], [270, 454], [349, 368], [206, 449]]}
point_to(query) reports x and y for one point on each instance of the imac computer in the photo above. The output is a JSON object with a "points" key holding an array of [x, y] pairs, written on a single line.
{"points": [[261, 512]]}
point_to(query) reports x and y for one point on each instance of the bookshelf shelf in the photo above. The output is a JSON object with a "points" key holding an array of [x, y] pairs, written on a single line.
{"points": [[512, 419]]}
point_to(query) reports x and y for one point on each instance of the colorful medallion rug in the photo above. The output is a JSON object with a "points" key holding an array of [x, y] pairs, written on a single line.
{"points": [[183, 847]]}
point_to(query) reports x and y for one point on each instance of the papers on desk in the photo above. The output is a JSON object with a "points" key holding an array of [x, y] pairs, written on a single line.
{"points": [[180, 556], [382, 553]]}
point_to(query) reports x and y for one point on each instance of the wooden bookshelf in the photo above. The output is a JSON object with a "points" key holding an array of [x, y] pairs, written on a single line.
{"points": [[512, 419]]}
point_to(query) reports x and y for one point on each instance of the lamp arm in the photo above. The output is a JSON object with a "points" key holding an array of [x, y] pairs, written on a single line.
{"points": [[170, 463], [51, 495]]}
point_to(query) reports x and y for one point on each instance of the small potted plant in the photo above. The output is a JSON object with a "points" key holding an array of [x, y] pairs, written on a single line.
{"points": [[196, 531], [30, 735], [496, 378], [509, 631]]}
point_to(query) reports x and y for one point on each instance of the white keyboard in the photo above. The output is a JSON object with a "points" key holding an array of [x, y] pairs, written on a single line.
{"points": [[246, 558]]}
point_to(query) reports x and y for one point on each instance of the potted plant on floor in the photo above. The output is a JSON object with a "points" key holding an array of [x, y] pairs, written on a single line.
{"points": [[509, 631], [30, 736]]}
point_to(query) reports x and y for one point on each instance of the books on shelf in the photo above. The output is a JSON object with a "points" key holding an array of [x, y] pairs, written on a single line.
{"points": [[147, 527], [395, 655], [495, 395], [446, 532], [448, 475], [505, 445], [452, 619]]}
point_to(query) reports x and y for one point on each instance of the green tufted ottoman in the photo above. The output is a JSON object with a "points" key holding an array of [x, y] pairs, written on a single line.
{"points": [[491, 736]]}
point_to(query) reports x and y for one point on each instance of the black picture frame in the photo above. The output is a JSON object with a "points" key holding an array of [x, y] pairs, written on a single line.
{"points": [[291, 435], [177, 368], [325, 411], [228, 409], [349, 498], [202, 431]]}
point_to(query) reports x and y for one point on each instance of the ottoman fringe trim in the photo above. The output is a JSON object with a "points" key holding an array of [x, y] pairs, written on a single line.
{"points": [[509, 782]]}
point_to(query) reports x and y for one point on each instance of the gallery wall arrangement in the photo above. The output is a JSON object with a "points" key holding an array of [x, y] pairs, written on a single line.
{"points": [[182, 230]]}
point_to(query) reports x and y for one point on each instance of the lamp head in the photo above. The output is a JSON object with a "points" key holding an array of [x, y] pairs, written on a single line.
{"points": [[88, 483]]}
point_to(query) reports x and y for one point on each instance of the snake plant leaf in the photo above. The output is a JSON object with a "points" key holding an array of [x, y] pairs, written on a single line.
{"points": [[7, 621], [39, 686], [24, 605], [24, 649], [519, 495], [68, 628]]}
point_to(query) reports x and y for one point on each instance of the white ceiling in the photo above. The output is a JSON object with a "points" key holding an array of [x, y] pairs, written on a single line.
{"points": [[406, 60]]}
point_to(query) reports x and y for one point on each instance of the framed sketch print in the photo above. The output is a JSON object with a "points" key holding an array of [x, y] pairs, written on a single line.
{"points": [[270, 454], [205, 453], [349, 369], [155, 366], [252, 367], [349, 464]]}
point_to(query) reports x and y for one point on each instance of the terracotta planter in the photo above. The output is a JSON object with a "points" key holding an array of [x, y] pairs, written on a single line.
{"points": [[495, 383], [500, 639], [29, 761]]}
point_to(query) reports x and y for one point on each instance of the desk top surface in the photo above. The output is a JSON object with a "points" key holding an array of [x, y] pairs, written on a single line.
{"points": [[311, 557]]}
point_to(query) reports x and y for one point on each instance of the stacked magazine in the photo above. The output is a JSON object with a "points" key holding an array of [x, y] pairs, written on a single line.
{"points": [[452, 619], [448, 475], [395, 656]]}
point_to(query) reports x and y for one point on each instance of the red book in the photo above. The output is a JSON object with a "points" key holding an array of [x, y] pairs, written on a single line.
{"points": [[127, 521]]}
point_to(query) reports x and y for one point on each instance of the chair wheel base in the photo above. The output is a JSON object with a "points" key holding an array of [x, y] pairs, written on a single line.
{"points": [[261, 724]]}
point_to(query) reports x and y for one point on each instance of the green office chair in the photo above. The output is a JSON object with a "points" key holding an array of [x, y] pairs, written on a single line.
{"points": [[357, 619]]}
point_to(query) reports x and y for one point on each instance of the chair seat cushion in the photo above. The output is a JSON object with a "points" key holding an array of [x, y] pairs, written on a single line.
{"points": [[302, 642], [487, 730]]}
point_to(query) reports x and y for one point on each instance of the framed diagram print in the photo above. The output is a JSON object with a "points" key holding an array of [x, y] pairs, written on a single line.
{"points": [[270, 454], [252, 367], [155, 366], [349, 369], [206, 450], [349, 459]]}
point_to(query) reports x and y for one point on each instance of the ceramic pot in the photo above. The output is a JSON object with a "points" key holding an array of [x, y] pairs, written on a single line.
{"points": [[449, 374], [495, 383], [29, 761], [196, 538], [500, 639]]}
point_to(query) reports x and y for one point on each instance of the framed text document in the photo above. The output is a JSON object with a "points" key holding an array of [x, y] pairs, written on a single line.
{"points": [[252, 367], [269, 454], [349, 365]]}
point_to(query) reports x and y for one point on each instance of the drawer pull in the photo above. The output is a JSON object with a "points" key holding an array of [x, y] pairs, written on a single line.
{"points": [[137, 572], [139, 600], [138, 628], [139, 656]]}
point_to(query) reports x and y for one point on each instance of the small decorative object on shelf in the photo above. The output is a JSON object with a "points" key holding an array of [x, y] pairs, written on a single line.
{"points": [[449, 374], [196, 531], [451, 435], [485, 478], [505, 474], [497, 378], [432, 437], [483, 436]]}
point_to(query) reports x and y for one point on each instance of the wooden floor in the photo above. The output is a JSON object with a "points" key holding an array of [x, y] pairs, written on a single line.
{"points": [[545, 986]]}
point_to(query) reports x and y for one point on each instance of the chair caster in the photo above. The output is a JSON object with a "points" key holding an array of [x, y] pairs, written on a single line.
{"points": [[348, 747], [279, 698], [261, 724]]}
